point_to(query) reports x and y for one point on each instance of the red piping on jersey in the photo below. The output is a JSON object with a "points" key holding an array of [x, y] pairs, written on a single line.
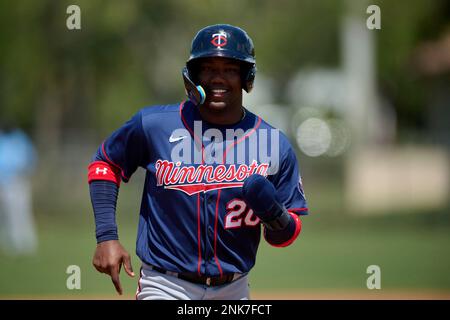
{"points": [[198, 230], [196, 138], [198, 195], [198, 236], [241, 139], [109, 160], [215, 233], [218, 193]]}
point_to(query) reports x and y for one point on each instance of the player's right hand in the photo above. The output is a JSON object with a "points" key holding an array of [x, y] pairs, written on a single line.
{"points": [[109, 257], [261, 196]]}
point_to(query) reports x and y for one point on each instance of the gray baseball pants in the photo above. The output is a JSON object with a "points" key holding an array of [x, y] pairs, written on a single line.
{"points": [[154, 285]]}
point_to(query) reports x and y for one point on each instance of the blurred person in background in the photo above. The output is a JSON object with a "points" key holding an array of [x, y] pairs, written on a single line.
{"points": [[17, 160]]}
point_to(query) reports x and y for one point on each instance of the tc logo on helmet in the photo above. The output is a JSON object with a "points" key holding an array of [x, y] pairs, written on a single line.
{"points": [[219, 39]]}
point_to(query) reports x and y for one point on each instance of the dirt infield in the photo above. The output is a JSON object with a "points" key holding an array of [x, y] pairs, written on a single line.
{"points": [[278, 295], [353, 295]]}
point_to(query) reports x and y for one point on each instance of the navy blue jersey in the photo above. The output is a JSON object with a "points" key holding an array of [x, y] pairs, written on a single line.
{"points": [[192, 216]]}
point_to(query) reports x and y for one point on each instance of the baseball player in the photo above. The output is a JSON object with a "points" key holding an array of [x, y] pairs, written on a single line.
{"points": [[215, 175]]}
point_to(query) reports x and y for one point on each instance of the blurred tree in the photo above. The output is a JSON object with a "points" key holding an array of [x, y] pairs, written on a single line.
{"points": [[56, 81], [404, 26]]}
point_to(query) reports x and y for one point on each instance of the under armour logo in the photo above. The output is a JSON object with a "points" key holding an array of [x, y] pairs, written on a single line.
{"points": [[104, 171], [219, 39]]}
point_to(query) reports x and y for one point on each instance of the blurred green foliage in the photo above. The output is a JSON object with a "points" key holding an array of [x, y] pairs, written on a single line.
{"points": [[129, 53]]}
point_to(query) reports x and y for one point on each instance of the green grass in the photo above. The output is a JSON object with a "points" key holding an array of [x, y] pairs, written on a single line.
{"points": [[338, 259], [322, 259]]}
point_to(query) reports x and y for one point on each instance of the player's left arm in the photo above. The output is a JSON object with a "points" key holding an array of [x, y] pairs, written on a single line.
{"points": [[278, 203]]}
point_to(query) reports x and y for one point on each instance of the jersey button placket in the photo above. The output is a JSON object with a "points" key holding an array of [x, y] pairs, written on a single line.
{"points": [[207, 237], [209, 200]]}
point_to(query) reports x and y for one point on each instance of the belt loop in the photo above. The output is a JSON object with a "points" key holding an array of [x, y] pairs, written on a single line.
{"points": [[171, 273]]}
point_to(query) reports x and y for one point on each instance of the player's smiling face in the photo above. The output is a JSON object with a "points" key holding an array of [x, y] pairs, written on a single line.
{"points": [[221, 79]]}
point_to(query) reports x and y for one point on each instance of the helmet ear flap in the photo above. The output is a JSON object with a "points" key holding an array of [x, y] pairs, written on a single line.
{"points": [[195, 93], [249, 78]]}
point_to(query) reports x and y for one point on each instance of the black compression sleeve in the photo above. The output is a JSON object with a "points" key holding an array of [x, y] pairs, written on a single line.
{"points": [[104, 199]]}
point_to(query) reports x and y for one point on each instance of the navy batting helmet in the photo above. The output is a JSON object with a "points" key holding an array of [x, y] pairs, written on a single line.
{"points": [[221, 40]]}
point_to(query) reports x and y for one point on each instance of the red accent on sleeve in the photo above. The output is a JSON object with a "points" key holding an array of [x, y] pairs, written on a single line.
{"points": [[100, 170], [298, 228]]}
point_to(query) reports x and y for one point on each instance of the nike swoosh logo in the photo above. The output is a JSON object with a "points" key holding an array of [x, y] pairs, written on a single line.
{"points": [[175, 139]]}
